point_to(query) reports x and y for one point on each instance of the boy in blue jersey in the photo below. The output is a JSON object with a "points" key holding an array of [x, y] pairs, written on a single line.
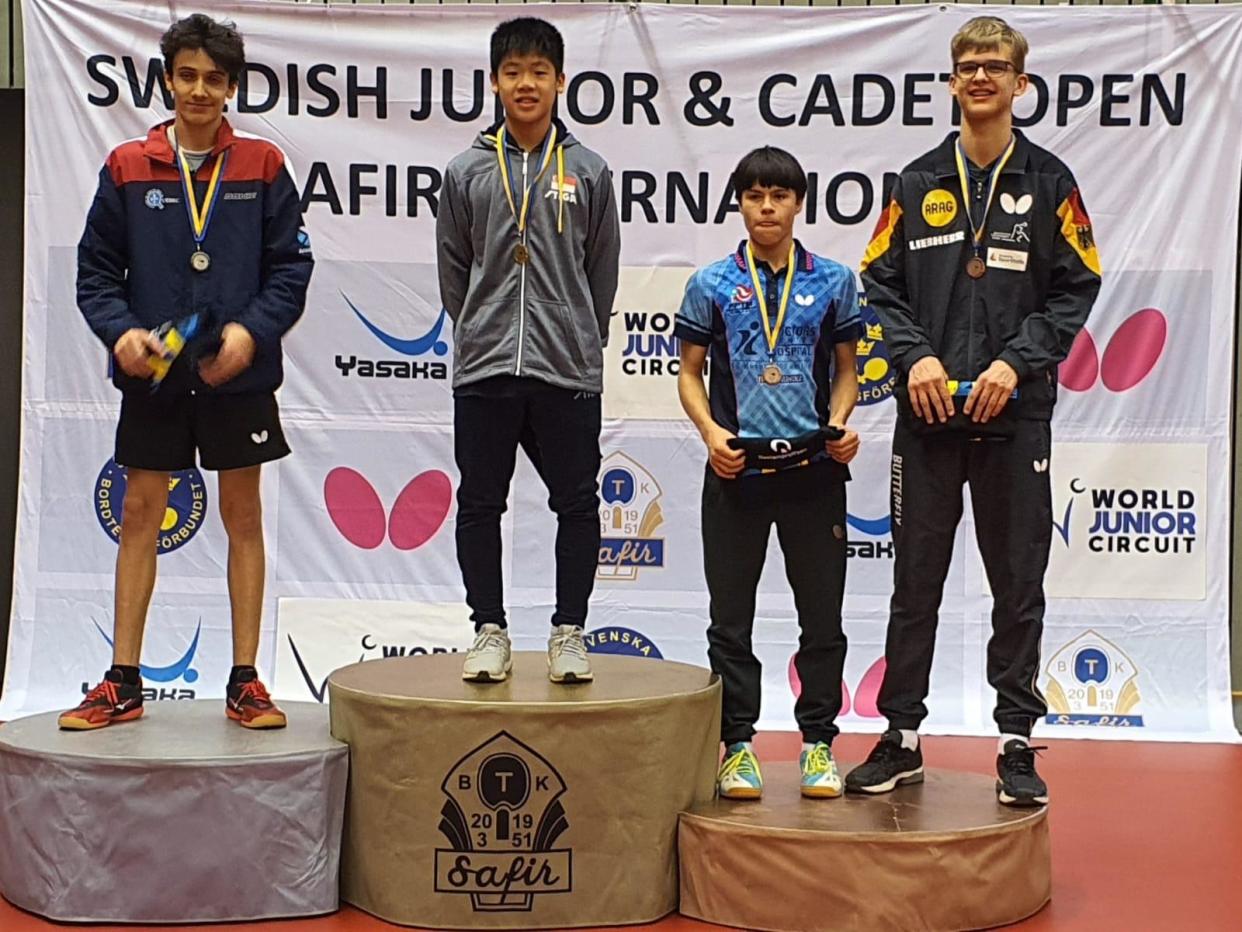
{"points": [[782, 326]]}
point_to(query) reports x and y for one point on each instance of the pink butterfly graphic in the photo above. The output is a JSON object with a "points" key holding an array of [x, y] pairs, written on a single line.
{"points": [[418, 513], [1130, 356], [865, 696]]}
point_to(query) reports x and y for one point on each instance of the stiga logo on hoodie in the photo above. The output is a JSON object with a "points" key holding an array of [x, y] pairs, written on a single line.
{"points": [[431, 343], [567, 189]]}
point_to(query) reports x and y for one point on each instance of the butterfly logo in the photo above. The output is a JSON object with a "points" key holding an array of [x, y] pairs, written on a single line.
{"points": [[804, 300], [417, 514], [1040, 465], [1131, 354], [1022, 205]]}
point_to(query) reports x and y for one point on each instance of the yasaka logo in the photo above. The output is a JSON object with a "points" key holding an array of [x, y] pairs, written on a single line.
{"points": [[1131, 354], [1124, 520], [412, 368], [418, 512], [180, 669], [871, 527]]}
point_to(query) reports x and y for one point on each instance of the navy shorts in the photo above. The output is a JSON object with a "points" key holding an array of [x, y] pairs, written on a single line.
{"points": [[227, 431]]}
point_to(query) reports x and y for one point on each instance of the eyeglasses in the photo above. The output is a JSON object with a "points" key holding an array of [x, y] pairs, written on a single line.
{"points": [[993, 69]]}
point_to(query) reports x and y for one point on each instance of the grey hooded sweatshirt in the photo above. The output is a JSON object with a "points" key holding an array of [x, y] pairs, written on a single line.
{"points": [[546, 318]]}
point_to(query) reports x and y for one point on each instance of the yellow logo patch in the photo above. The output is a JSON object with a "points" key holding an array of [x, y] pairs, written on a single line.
{"points": [[939, 207]]}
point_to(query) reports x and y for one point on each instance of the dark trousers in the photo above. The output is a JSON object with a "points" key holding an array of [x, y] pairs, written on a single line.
{"points": [[1012, 500], [559, 429], [808, 510]]}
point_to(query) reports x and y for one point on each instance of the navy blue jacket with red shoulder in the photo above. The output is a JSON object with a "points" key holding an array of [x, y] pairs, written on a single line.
{"points": [[134, 255]]}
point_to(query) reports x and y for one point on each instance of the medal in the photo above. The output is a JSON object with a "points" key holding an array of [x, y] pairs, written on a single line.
{"points": [[771, 331], [200, 217], [521, 254], [975, 266]]}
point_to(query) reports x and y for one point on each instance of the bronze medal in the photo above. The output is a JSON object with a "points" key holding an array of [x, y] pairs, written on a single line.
{"points": [[976, 267], [771, 374], [200, 261], [521, 255]]}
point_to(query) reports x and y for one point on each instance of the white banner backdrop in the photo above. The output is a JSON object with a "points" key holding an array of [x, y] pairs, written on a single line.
{"points": [[370, 103]]}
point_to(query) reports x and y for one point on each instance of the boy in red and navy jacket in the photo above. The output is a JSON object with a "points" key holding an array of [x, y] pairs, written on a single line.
{"points": [[198, 226]]}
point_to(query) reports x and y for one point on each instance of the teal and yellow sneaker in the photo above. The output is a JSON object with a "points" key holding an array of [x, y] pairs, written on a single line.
{"points": [[820, 778], [739, 776]]}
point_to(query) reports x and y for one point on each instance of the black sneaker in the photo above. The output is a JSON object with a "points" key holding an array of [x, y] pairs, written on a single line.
{"points": [[1018, 784], [888, 766]]}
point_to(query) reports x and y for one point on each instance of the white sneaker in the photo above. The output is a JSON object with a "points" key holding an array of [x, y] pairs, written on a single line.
{"points": [[490, 658], [567, 656]]}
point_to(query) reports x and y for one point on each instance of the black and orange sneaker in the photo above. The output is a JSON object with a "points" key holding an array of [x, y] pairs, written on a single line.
{"points": [[111, 701], [249, 705]]}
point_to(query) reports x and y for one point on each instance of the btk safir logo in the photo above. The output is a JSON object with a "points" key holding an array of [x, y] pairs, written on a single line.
{"points": [[1091, 681], [629, 515], [502, 817]]}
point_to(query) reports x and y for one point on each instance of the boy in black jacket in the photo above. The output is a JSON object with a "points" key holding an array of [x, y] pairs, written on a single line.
{"points": [[982, 269]]}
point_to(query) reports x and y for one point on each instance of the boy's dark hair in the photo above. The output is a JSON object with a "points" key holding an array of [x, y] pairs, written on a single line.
{"points": [[221, 41], [528, 35], [769, 167]]}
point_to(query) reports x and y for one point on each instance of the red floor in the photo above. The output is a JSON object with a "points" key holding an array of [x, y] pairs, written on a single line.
{"points": [[1144, 836]]}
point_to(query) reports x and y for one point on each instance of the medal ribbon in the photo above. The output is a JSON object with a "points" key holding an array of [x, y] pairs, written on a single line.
{"points": [[507, 177], [200, 219], [993, 180], [771, 331]]}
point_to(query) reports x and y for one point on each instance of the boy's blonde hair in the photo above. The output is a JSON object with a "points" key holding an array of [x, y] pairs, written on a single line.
{"points": [[985, 33]]}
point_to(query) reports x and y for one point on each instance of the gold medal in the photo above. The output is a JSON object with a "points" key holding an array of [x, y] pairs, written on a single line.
{"points": [[771, 374], [200, 261], [521, 255], [976, 267]]}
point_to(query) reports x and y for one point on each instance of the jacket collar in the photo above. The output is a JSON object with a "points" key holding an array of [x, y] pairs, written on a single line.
{"points": [[157, 146], [562, 134], [946, 164]]}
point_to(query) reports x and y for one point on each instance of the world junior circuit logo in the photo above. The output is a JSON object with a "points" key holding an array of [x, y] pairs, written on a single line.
{"points": [[502, 818], [876, 375], [413, 367], [629, 516], [1091, 681], [183, 517]]}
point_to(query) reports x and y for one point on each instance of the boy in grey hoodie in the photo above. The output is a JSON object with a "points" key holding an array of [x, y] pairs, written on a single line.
{"points": [[528, 248]]}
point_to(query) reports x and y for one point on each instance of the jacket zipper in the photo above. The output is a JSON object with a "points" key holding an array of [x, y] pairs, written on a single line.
{"points": [[974, 293], [517, 370]]}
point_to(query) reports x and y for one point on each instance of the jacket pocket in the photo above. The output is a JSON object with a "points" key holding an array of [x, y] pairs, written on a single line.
{"points": [[555, 340], [483, 334]]}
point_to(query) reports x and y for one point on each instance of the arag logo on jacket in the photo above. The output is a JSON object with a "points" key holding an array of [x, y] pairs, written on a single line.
{"points": [[629, 516], [876, 375], [183, 516], [1092, 681], [423, 353]]}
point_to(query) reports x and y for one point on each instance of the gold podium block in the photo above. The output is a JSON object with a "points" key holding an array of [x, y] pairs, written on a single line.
{"points": [[521, 804], [940, 855]]}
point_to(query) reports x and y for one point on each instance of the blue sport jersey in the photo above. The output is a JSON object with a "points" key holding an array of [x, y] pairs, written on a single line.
{"points": [[720, 311]]}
